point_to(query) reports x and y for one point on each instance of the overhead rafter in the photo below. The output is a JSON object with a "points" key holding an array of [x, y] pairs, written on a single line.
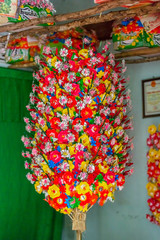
{"points": [[138, 52], [66, 17], [81, 19], [99, 18], [143, 60]]}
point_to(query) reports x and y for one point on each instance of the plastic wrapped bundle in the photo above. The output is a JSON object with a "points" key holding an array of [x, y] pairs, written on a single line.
{"points": [[128, 34]]}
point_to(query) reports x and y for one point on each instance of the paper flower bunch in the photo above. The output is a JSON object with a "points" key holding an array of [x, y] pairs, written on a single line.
{"points": [[153, 185], [78, 147]]}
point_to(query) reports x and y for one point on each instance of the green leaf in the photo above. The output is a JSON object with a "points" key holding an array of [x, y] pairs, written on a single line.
{"points": [[91, 121], [81, 85], [100, 178], [74, 202]]}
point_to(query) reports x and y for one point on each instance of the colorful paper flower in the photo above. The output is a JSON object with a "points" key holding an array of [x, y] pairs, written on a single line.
{"points": [[78, 150], [153, 171]]}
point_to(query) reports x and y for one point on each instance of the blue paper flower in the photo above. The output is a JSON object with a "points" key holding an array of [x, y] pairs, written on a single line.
{"points": [[93, 143], [97, 99], [67, 201], [109, 152]]}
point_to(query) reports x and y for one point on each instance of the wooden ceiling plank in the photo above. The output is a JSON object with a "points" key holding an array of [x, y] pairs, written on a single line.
{"points": [[66, 17], [115, 15], [138, 52], [143, 60]]}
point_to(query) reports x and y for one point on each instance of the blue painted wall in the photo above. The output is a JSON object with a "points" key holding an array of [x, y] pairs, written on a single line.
{"points": [[65, 6], [125, 218]]}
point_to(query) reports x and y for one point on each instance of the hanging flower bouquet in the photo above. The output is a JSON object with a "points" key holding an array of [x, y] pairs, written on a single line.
{"points": [[78, 147], [153, 185]]}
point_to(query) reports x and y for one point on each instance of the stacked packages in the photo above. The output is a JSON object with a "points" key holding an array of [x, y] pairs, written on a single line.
{"points": [[24, 50], [137, 32]]}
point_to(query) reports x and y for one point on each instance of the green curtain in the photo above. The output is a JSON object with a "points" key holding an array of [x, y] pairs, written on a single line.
{"points": [[24, 215]]}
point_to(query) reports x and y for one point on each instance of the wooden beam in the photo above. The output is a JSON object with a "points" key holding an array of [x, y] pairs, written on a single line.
{"points": [[116, 15], [143, 60], [23, 65], [66, 17], [138, 52]]}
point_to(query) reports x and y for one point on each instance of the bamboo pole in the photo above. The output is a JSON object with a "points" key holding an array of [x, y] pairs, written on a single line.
{"points": [[78, 235], [78, 223]]}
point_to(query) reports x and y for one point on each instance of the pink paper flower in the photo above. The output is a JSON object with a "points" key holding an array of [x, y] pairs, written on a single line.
{"points": [[55, 156]]}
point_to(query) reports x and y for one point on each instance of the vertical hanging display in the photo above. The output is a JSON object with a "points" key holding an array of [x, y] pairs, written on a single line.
{"points": [[153, 185], [78, 147]]}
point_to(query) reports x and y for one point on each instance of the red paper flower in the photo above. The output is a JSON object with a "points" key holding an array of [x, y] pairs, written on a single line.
{"points": [[62, 137], [54, 102], [55, 156], [109, 177], [68, 178], [71, 101], [86, 113]]}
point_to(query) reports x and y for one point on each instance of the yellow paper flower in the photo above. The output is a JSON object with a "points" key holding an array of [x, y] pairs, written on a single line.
{"points": [[58, 91], [84, 165], [53, 61], [66, 210], [118, 148], [83, 188], [71, 166], [108, 84], [111, 195], [46, 70], [83, 208], [53, 191], [43, 97], [68, 111], [45, 128], [72, 150], [84, 139], [58, 109], [112, 187], [100, 74], [101, 186], [87, 81], [63, 146], [103, 168], [47, 10], [152, 129], [152, 153], [151, 188], [109, 132], [158, 179], [157, 216], [46, 169], [157, 156], [67, 187], [151, 160], [83, 53], [38, 187]]}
